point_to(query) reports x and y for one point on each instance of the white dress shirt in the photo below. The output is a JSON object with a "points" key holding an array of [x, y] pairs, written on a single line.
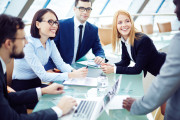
{"points": [[76, 36], [128, 46]]}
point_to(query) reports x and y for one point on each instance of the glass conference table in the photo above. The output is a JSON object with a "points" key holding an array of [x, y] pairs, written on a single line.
{"points": [[130, 85]]}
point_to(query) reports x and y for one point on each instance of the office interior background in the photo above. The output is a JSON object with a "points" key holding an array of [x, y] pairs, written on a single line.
{"points": [[143, 11]]}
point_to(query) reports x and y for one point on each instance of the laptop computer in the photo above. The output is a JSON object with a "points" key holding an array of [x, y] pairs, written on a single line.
{"points": [[91, 109]]}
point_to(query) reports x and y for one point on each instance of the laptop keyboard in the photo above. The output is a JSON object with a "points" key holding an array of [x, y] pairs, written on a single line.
{"points": [[85, 109]]}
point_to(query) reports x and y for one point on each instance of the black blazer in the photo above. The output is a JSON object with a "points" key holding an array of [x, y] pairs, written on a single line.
{"points": [[19, 98], [144, 54]]}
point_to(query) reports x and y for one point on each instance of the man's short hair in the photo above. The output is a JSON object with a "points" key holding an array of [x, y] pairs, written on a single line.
{"points": [[39, 17], [8, 27], [76, 1]]}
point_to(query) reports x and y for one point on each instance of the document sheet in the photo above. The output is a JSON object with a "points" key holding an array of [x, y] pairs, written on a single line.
{"points": [[88, 81]]}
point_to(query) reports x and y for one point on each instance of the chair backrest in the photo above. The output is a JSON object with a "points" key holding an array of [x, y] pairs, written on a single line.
{"points": [[9, 71], [164, 27], [105, 35], [107, 26], [147, 29]]}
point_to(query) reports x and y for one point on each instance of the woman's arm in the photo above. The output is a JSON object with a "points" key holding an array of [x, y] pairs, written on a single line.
{"points": [[58, 61], [36, 65]]}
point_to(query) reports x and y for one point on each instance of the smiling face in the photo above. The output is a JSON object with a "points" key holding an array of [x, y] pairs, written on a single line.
{"points": [[82, 16], [46, 29], [124, 25]]}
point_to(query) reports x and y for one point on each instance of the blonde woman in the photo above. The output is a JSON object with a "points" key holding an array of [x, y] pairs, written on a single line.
{"points": [[136, 47]]}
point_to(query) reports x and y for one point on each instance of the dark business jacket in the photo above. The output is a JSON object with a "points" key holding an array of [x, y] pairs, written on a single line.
{"points": [[65, 41], [19, 98], [144, 54]]}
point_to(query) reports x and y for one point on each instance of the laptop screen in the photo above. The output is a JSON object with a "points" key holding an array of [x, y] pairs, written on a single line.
{"points": [[111, 93]]}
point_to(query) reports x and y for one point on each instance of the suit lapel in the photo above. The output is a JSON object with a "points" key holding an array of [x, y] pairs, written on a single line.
{"points": [[3, 81], [71, 33], [133, 54]]}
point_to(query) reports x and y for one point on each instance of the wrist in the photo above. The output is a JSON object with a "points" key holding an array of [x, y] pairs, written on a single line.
{"points": [[43, 90], [58, 111], [70, 75], [73, 70]]}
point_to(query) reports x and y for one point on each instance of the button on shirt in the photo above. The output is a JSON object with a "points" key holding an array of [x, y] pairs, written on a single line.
{"points": [[36, 56], [76, 36], [128, 46]]}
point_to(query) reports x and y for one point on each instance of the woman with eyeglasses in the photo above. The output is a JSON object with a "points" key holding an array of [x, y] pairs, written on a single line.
{"points": [[29, 71]]}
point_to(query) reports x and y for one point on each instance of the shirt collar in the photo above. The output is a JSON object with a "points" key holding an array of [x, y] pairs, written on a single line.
{"points": [[38, 42], [125, 41], [3, 65], [77, 23]]}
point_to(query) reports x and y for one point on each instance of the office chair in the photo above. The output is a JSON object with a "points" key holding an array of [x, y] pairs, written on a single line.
{"points": [[164, 27], [105, 35], [147, 29]]}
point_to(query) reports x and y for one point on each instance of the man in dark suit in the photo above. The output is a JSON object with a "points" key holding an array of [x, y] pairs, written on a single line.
{"points": [[76, 36], [12, 42]]}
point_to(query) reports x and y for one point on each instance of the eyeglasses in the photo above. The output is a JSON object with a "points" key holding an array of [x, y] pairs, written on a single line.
{"points": [[24, 38], [52, 22], [82, 9]]}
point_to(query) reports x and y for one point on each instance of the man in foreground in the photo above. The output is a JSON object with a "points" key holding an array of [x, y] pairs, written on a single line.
{"points": [[12, 42]]}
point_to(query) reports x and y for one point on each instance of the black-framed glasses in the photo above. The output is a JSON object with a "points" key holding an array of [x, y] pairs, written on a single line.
{"points": [[82, 9], [24, 38], [52, 22]]}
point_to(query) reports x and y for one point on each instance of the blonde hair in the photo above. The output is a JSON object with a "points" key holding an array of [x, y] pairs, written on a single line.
{"points": [[116, 35]]}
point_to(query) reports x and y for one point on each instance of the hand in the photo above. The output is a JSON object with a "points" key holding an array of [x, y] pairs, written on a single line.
{"points": [[50, 71], [107, 68], [127, 103], [106, 64], [53, 89], [66, 104], [9, 89], [80, 73], [98, 60]]}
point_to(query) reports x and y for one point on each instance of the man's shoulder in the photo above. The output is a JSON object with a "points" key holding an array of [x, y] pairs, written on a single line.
{"points": [[91, 25], [177, 35], [69, 20]]}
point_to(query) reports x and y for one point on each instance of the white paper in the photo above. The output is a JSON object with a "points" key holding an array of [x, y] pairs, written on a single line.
{"points": [[88, 81], [90, 63], [116, 102]]}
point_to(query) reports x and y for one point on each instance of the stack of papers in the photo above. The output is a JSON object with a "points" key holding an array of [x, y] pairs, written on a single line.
{"points": [[90, 63], [117, 102], [88, 81]]}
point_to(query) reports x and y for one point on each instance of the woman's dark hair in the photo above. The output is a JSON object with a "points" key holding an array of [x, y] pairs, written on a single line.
{"points": [[8, 27], [38, 17]]}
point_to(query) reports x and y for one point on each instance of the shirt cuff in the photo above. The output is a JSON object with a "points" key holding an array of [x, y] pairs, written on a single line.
{"points": [[115, 67], [65, 75], [39, 93], [57, 110]]}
